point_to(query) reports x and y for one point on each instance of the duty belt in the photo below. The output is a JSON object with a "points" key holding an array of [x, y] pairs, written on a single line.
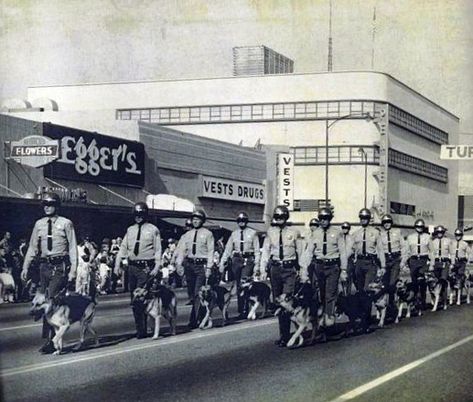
{"points": [[366, 256], [284, 264], [197, 261], [328, 261], [142, 263], [420, 257], [244, 255], [462, 259], [442, 260], [59, 259], [391, 256]]}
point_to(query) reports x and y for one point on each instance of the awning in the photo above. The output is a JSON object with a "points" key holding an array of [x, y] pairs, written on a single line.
{"points": [[216, 224]]}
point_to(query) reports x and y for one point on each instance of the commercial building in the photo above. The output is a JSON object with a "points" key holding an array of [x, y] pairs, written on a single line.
{"points": [[378, 140]]}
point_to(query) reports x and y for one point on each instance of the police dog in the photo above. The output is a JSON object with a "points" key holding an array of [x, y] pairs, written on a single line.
{"points": [[435, 287], [255, 294], [211, 294], [455, 286], [380, 297], [63, 311], [405, 298], [357, 307], [305, 312], [159, 301]]}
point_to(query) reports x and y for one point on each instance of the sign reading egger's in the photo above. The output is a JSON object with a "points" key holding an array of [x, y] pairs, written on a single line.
{"points": [[95, 158], [214, 187], [34, 150]]}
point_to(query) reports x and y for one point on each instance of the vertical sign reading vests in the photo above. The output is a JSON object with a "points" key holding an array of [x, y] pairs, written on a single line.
{"points": [[286, 180]]}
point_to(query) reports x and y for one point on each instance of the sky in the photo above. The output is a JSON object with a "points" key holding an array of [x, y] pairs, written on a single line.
{"points": [[427, 44]]}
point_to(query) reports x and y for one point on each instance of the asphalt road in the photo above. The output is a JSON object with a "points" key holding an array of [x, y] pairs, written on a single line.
{"points": [[428, 358]]}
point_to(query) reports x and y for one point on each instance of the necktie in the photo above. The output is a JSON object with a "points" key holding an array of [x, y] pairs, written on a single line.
{"points": [[418, 244], [281, 250], [136, 250], [50, 234], [456, 251], [440, 248], [241, 241], [389, 242], [194, 244], [324, 246], [364, 241]]}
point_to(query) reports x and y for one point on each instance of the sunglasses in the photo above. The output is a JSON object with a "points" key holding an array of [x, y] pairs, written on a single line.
{"points": [[49, 204]]}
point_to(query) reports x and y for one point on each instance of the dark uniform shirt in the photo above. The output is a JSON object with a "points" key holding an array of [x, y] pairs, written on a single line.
{"points": [[62, 241]]}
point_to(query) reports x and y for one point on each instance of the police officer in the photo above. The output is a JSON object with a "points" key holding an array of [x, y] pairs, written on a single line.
{"points": [[418, 248], [197, 246], [368, 252], [280, 250], [440, 258], [187, 227], [459, 253], [141, 245], [328, 248], [393, 246], [53, 240], [243, 246], [347, 239]]}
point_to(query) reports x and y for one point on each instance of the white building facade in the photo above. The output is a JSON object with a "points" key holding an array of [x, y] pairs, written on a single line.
{"points": [[383, 137]]}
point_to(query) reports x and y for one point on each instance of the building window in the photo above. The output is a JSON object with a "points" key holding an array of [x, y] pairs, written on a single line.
{"points": [[402, 209], [417, 166], [337, 155], [417, 126]]}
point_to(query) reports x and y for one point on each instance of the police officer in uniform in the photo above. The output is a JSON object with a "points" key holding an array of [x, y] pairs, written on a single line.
{"points": [[187, 226], [197, 246], [459, 252], [418, 248], [280, 250], [53, 240], [393, 246], [330, 263], [347, 239], [368, 252], [440, 258], [141, 245], [243, 246]]}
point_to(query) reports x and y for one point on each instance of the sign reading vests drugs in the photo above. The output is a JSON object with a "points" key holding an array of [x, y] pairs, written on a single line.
{"points": [[456, 152], [214, 187], [34, 150], [286, 180], [95, 158]]}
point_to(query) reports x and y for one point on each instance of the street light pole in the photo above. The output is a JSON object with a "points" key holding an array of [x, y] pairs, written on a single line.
{"points": [[367, 116], [365, 156]]}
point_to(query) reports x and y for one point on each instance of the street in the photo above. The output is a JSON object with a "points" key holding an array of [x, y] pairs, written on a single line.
{"points": [[239, 361]]}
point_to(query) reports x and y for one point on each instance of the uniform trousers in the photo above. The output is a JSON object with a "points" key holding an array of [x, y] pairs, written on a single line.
{"points": [[53, 279], [195, 280], [418, 267], [441, 269], [242, 267], [350, 274], [327, 275], [137, 277], [393, 267], [283, 281], [365, 272]]}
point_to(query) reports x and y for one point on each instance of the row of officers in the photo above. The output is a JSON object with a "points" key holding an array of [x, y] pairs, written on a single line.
{"points": [[327, 255]]}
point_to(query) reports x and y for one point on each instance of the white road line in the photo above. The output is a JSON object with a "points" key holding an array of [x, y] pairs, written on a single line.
{"points": [[400, 371], [142, 346]]}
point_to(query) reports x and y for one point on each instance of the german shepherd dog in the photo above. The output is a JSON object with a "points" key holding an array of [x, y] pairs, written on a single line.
{"points": [[305, 311], [211, 294], [405, 297], [380, 297], [255, 294], [357, 307], [455, 285], [159, 301], [435, 287], [61, 312]]}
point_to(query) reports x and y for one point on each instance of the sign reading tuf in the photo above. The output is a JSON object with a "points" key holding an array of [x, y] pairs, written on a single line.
{"points": [[34, 150]]}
